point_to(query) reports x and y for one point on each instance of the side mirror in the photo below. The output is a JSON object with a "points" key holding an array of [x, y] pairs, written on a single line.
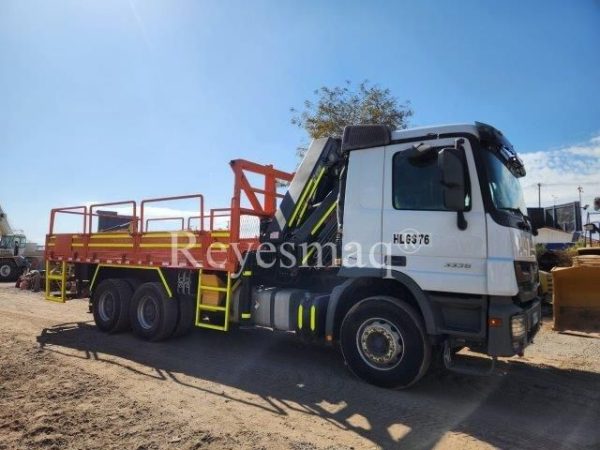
{"points": [[452, 170]]}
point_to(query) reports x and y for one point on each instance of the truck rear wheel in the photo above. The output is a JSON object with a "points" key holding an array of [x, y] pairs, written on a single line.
{"points": [[384, 343], [8, 270], [134, 283], [153, 314], [186, 317], [110, 305]]}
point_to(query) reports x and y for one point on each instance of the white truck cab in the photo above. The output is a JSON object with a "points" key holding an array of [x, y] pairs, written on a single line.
{"points": [[394, 196]]}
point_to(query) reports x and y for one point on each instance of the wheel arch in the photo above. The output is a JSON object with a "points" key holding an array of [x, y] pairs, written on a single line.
{"points": [[366, 282], [142, 273]]}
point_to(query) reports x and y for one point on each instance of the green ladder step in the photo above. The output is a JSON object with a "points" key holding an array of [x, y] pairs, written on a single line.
{"points": [[210, 326], [211, 307], [213, 289], [55, 277]]}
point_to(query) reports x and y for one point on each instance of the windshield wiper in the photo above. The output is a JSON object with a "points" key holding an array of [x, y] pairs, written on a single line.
{"points": [[514, 210], [526, 224]]}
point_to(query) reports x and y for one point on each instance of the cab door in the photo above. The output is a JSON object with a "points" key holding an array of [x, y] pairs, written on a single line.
{"points": [[421, 236], [363, 202]]}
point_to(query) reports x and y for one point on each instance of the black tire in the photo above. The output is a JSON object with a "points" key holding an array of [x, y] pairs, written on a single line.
{"points": [[152, 313], [110, 305], [8, 270], [186, 316], [384, 342], [134, 283]]}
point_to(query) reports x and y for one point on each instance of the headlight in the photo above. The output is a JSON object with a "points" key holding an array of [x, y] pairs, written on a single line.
{"points": [[517, 326], [526, 273]]}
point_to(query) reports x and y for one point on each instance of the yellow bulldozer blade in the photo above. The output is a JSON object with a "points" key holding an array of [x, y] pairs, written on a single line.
{"points": [[576, 297]]}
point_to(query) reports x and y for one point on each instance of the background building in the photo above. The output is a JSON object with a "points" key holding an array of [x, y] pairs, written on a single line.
{"points": [[565, 217]]}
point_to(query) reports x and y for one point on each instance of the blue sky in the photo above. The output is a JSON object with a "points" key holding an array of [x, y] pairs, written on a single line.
{"points": [[109, 100]]}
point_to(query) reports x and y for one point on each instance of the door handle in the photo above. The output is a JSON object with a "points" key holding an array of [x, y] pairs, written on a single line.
{"points": [[392, 260]]}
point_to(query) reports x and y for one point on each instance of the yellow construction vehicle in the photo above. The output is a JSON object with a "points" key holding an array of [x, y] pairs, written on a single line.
{"points": [[576, 290]]}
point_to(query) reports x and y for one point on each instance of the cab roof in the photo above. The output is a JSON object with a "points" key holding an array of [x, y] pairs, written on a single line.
{"points": [[356, 137], [417, 132]]}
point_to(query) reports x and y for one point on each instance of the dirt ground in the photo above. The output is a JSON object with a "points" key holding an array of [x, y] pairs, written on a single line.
{"points": [[63, 384]]}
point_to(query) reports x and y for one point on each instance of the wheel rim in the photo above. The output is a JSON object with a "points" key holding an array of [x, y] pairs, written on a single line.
{"points": [[5, 270], [106, 306], [380, 343], [147, 312]]}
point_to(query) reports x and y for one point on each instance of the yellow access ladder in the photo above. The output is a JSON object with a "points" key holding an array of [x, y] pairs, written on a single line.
{"points": [[59, 277], [201, 307]]}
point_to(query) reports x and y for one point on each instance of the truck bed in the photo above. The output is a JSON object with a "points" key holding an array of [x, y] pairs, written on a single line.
{"points": [[207, 245], [185, 248]]}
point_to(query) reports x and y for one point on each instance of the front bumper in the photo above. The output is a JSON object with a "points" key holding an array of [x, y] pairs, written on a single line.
{"points": [[533, 320], [500, 339]]}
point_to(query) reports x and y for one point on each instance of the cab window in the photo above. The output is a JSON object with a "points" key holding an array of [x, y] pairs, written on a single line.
{"points": [[417, 183]]}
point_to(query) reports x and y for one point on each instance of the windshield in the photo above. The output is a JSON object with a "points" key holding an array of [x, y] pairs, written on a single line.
{"points": [[9, 241], [505, 188], [5, 241]]}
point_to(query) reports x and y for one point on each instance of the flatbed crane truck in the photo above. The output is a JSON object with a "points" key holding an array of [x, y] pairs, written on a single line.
{"points": [[394, 245]]}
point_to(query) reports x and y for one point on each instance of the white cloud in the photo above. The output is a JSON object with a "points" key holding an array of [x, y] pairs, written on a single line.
{"points": [[561, 171]]}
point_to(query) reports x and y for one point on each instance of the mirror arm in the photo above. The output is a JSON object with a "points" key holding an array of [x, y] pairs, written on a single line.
{"points": [[461, 222]]}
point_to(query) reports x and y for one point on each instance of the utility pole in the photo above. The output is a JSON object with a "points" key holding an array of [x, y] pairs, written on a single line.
{"points": [[539, 195], [580, 190]]}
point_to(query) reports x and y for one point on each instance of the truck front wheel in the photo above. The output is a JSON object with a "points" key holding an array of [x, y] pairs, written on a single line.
{"points": [[153, 314], [384, 343]]}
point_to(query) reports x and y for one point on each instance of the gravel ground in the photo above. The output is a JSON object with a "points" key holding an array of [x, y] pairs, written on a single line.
{"points": [[63, 384]]}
